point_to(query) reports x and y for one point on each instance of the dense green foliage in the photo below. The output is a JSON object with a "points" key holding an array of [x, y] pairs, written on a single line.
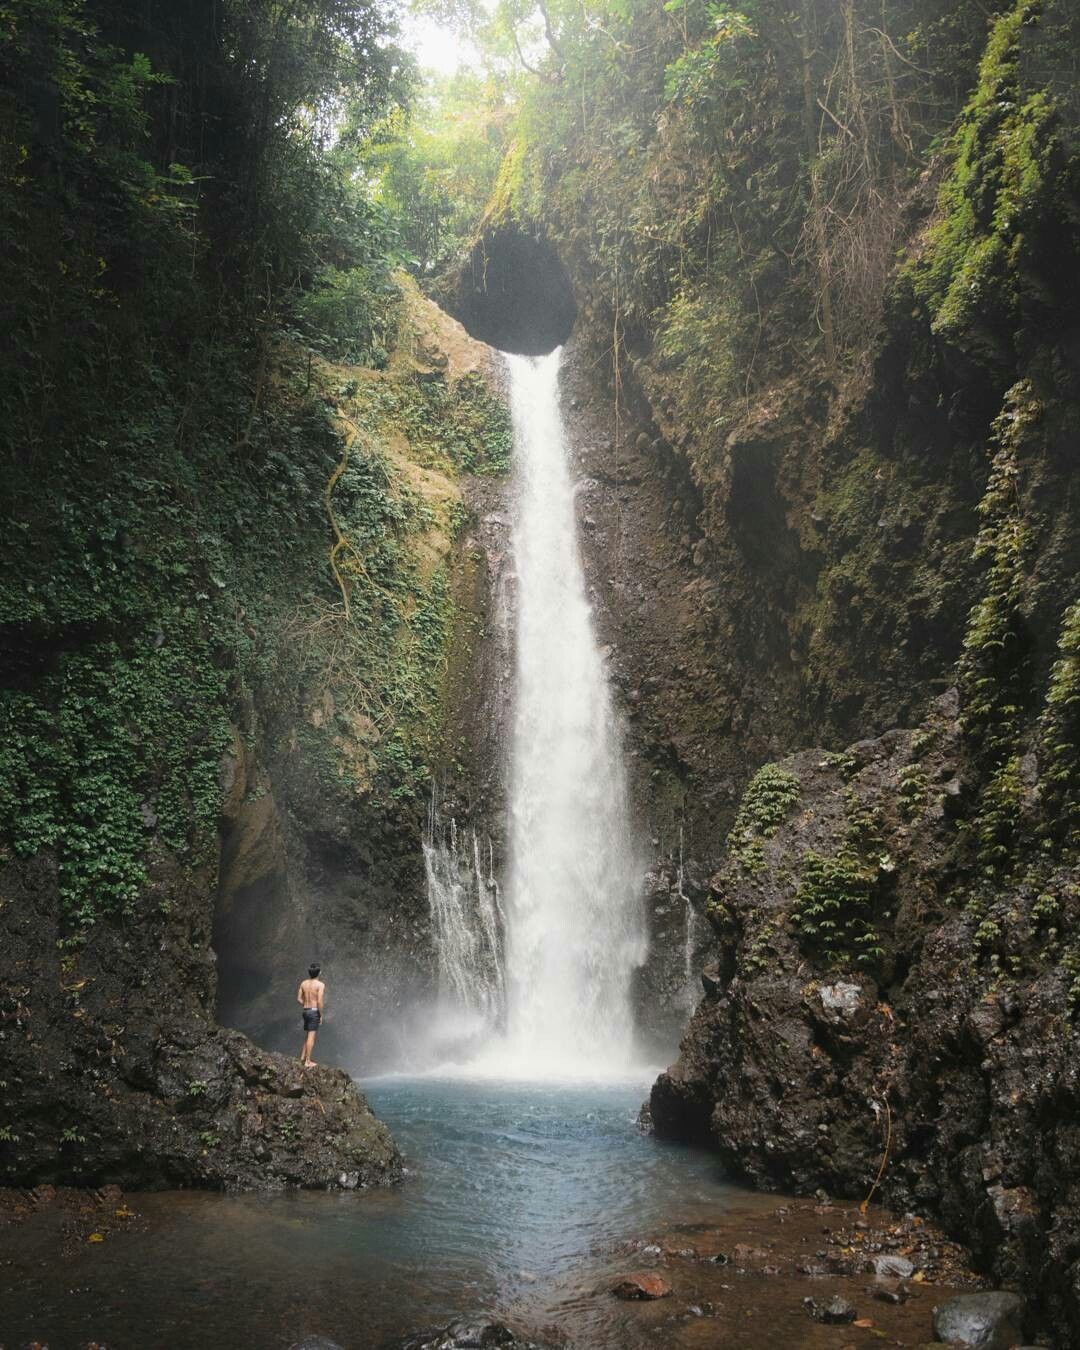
{"points": [[1059, 731], [734, 176], [436, 165], [458, 427], [1006, 209], [834, 908], [996, 276], [769, 798], [181, 198]]}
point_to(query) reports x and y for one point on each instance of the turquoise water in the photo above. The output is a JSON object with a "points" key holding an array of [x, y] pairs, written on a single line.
{"points": [[519, 1202]]}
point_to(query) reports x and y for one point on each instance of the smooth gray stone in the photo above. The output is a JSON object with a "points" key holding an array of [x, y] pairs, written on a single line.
{"points": [[982, 1321], [888, 1266]]}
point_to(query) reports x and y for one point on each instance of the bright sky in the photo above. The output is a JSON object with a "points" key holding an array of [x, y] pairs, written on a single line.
{"points": [[436, 47]]}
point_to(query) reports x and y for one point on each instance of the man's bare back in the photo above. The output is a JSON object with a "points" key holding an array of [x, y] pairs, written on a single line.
{"points": [[310, 996]]}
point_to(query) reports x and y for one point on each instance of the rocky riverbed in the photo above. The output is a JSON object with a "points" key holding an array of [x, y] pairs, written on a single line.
{"points": [[805, 1274]]}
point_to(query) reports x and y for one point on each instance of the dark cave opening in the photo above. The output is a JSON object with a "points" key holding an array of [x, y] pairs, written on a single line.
{"points": [[515, 294]]}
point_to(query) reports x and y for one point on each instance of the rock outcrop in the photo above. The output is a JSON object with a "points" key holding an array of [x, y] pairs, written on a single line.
{"points": [[852, 1036], [116, 1071]]}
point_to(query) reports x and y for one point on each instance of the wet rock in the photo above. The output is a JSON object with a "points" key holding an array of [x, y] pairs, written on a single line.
{"points": [[891, 1267], [781, 1073], [842, 999], [835, 1310], [469, 1334], [746, 1256], [986, 1020], [641, 1286], [989, 1321]]}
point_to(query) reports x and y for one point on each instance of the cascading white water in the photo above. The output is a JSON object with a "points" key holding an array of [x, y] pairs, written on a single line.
{"points": [[548, 975], [575, 929], [466, 910]]}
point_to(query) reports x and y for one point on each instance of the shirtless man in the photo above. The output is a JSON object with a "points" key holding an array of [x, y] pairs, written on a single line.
{"points": [[310, 997]]}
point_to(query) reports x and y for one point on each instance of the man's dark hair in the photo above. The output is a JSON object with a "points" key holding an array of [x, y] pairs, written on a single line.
{"points": [[314, 969]]}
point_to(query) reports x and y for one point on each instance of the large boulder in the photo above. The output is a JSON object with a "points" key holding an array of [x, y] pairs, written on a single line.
{"points": [[990, 1321]]}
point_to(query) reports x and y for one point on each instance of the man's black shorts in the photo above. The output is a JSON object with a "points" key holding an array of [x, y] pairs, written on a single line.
{"points": [[312, 1018]]}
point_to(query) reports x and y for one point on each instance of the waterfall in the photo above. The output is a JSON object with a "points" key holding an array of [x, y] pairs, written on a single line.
{"points": [[466, 911], [693, 935], [547, 978], [575, 931]]}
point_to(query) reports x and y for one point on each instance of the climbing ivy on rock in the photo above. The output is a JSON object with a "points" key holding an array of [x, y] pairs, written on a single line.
{"points": [[768, 800], [833, 910], [1059, 739]]}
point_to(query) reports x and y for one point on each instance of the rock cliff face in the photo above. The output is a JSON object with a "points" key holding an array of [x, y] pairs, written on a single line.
{"points": [[330, 698], [818, 577], [847, 1037], [890, 921], [322, 852], [804, 579]]}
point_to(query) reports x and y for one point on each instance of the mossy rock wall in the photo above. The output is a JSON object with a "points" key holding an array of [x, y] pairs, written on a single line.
{"points": [[225, 709]]}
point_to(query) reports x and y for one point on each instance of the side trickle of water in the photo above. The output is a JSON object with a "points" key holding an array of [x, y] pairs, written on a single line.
{"points": [[575, 928], [466, 910], [692, 938]]}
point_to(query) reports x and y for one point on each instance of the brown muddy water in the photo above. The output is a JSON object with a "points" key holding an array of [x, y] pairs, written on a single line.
{"points": [[525, 1201]]}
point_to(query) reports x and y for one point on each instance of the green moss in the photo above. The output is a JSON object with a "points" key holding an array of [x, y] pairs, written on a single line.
{"points": [[386, 663], [832, 914], [881, 584], [1059, 739], [455, 426], [699, 356], [515, 194], [1006, 177], [992, 668]]}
